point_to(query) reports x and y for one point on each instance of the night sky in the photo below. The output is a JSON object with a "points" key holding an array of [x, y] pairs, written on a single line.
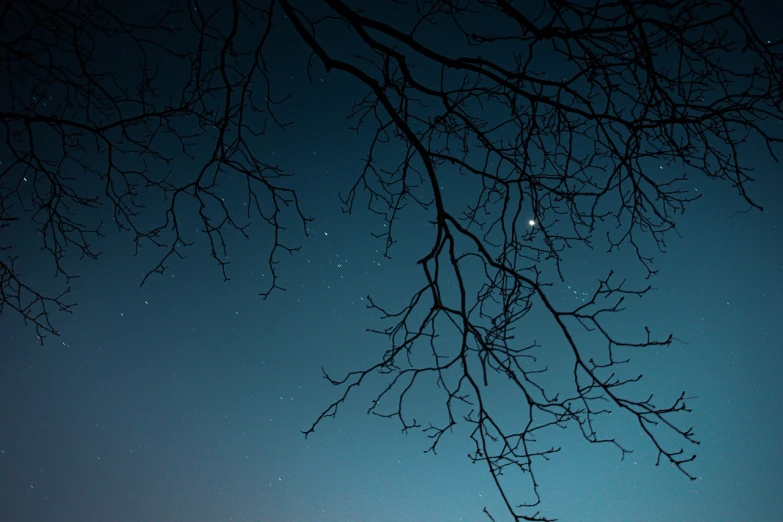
{"points": [[186, 398]]}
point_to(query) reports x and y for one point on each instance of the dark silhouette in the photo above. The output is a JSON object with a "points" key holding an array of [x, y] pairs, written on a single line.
{"points": [[578, 123]]}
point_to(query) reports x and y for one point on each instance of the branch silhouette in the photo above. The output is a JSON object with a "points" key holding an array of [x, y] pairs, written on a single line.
{"points": [[81, 137], [571, 123], [580, 124]]}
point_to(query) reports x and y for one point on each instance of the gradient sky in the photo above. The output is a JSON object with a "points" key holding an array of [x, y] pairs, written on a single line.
{"points": [[185, 399]]}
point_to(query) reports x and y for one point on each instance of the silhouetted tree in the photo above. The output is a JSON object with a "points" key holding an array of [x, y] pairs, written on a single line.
{"points": [[577, 123]]}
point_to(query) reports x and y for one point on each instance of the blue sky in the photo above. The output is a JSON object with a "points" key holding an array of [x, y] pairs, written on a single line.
{"points": [[185, 399]]}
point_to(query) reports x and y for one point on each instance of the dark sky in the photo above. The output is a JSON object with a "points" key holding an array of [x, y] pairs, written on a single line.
{"points": [[185, 399]]}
